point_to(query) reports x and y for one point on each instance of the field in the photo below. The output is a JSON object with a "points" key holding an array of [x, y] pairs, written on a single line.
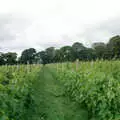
{"points": [[67, 91]]}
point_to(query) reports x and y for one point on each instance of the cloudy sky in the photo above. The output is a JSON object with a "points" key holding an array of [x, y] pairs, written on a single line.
{"points": [[44, 23]]}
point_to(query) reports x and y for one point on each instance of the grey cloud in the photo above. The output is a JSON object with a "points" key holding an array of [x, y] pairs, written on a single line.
{"points": [[11, 25], [5, 34], [49, 44], [11, 28], [112, 26], [100, 32]]}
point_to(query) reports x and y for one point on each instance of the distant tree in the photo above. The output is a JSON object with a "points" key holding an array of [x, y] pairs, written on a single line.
{"points": [[10, 58], [66, 53], [77, 48], [43, 57], [113, 46], [50, 52], [100, 49], [57, 57], [2, 62], [87, 54], [37, 58], [28, 55]]}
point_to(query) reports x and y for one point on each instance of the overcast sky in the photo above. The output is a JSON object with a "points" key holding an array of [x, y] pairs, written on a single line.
{"points": [[44, 23]]}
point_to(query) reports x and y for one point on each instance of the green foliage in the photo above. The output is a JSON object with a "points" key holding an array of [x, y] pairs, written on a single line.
{"points": [[98, 50], [9, 58], [16, 99], [36, 95], [93, 90], [95, 87], [28, 55]]}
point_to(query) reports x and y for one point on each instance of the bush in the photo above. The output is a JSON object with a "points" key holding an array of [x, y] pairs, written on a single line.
{"points": [[96, 89]]}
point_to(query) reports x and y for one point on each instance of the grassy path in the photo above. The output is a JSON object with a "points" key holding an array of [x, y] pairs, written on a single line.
{"points": [[53, 105]]}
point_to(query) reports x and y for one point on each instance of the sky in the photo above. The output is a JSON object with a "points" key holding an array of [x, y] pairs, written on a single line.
{"points": [[45, 23]]}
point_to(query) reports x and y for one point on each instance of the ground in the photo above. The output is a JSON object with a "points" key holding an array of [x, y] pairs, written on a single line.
{"points": [[53, 104]]}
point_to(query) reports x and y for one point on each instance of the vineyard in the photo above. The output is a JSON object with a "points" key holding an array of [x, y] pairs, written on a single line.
{"points": [[67, 91]]}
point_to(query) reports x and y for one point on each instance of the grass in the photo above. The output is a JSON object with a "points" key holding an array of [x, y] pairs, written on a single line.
{"points": [[53, 104], [54, 92]]}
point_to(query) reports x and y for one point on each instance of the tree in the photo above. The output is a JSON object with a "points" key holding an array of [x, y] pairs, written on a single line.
{"points": [[114, 46], [66, 53], [28, 55], [58, 57], [43, 57], [100, 49], [2, 62], [37, 58], [50, 52], [10, 58], [87, 54], [77, 48]]}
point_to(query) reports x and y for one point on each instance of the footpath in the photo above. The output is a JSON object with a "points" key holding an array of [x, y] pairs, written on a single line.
{"points": [[53, 104]]}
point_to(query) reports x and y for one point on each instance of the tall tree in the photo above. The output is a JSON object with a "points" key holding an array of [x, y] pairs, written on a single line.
{"points": [[2, 61], [87, 54], [114, 46], [66, 53], [58, 56], [50, 54], [10, 58], [28, 55], [43, 57], [100, 49], [77, 48]]}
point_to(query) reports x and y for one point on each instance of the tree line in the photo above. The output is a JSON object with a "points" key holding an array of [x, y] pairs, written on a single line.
{"points": [[98, 50]]}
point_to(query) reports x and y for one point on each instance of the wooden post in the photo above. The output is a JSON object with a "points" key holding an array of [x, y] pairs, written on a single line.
{"points": [[62, 67], [27, 66], [57, 67], [77, 64], [6, 67], [92, 63], [18, 67]]}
